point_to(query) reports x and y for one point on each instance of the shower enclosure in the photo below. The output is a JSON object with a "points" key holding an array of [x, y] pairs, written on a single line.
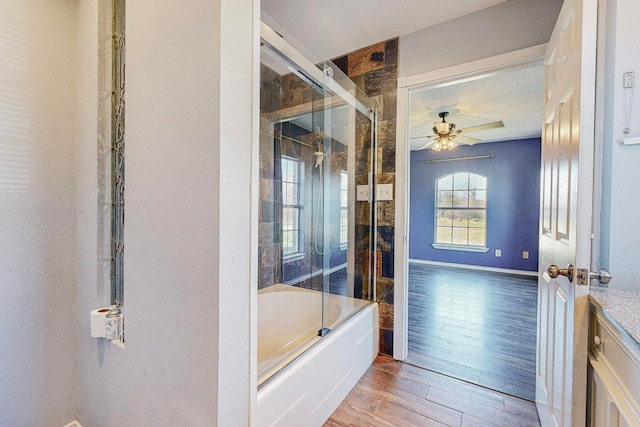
{"points": [[317, 148]]}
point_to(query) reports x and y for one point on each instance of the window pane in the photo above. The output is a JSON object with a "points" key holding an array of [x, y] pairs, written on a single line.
{"points": [[461, 181], [287, 242], [445, 217], [477, 236], [295, 213], [460, 199], [460, 218], [478, 182], [344, 180], [287, 218], [477, 217], [287, 194], [443, 234], [445, 199], [460, 236], [477, 198], [445, 182], [286, 167], [343, 226]]}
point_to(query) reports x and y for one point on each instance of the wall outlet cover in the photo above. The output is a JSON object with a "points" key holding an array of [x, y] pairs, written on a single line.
{"points": [[498, 253]]}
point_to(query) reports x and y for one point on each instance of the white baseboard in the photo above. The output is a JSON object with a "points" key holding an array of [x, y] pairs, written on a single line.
{"points": [[476, 267], [73, 424]]}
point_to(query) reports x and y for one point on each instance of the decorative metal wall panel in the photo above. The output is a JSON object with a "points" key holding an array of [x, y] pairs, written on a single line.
{"points": [[117, 150]]}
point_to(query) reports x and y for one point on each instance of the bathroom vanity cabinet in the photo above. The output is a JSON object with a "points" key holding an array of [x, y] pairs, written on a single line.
{"points": [[614, 372]]}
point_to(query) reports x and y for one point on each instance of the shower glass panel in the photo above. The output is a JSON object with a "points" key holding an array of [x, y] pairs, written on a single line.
{"points": [[316, 146]]}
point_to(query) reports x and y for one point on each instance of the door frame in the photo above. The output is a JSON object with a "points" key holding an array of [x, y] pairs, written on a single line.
{"points": [[474, 69]]}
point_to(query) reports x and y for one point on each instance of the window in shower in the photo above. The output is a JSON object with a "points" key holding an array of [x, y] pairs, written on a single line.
{"points": [[291, 206], [344, 209]]}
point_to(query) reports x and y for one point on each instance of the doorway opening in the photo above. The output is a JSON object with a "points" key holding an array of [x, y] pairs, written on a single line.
{"points": [[471, 222]]}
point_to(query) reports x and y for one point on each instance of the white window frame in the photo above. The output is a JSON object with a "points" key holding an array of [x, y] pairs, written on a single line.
{"points": [[296, 206], [458, 246], [344, 210]]}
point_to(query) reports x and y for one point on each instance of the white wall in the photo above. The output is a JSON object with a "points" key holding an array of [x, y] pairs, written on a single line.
{"points": [[37, 213], [187, 219], [509, 26], [620, 243]]}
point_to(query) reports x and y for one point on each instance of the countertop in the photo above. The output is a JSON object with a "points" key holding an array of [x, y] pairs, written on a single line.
{"points": [[620, 306]]}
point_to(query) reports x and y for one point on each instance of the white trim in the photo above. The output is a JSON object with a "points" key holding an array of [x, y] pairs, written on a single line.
{"points": [[476, 267], [401, 238], [73, 424], [518, 58], [255, 215], [479, 68], [461, 248]]}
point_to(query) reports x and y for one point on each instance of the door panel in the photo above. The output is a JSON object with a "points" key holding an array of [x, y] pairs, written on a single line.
{"points": [[565, 214]]}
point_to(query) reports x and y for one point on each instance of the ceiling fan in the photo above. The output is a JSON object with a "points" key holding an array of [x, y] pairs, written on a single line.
{"points": [[447, 137]]}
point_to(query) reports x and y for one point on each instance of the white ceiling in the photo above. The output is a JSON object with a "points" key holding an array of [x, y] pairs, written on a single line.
{"points": [[331, 28], [513, 96]]}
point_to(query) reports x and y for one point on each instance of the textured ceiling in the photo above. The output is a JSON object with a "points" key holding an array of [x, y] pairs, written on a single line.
{"points": [[330, 28], [513, 96]]}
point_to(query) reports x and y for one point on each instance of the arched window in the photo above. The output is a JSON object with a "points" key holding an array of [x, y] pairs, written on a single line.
{"points": [[461, 210]]}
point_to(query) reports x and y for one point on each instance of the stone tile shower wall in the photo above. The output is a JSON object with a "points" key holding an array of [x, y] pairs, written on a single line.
{"points": [[375, 70]]}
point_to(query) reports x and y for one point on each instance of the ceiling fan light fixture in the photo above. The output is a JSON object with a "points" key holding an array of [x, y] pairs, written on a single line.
{"points": [[441, 127]]}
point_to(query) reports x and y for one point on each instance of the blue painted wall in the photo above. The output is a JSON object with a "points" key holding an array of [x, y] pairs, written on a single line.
{"points": [[513, 200]]}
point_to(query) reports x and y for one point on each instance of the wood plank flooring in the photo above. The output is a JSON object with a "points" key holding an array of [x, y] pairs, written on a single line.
{"points": [[476, 326], [397, 394]]}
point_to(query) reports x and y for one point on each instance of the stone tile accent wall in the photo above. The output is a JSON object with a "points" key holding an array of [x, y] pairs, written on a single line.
{"points": [[375, 70]]}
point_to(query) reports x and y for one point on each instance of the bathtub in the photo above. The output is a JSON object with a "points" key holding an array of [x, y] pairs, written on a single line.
{"points": [[303, 378]]}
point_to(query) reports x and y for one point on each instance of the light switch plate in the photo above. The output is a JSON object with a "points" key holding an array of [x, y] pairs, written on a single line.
{"points": [[362, 193], [384, 192]]}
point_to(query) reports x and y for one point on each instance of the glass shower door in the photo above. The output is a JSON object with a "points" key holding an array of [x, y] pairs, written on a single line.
{"points": [[349, 150], [290, 213], [314, 237]]}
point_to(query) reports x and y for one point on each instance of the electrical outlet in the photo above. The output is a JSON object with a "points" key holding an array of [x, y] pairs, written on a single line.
{"points": [[362, 193], [525, 254], [628, 79], [498, 253]]}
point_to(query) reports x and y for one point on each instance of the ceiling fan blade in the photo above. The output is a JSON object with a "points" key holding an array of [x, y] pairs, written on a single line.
{"points": [[467, 140], [492, 125], [425, 146], [423, 136]]}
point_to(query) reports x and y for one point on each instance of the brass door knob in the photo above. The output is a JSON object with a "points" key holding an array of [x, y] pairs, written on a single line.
{"points": [[554, 271]]}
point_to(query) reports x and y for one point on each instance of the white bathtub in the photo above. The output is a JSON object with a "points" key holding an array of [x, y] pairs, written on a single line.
{"points": [[307, 390]]}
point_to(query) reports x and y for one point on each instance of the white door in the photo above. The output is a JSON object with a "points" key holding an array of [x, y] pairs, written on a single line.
{"points": [[565, 216]]}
